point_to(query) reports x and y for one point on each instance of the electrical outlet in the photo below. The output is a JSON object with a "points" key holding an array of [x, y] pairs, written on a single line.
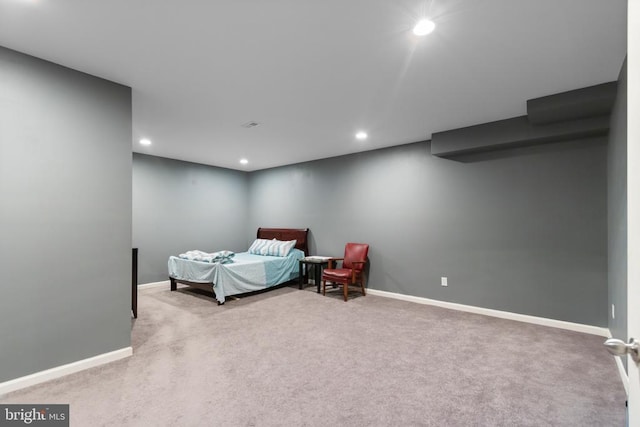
{"points": [[443, 281], [613, 311]]}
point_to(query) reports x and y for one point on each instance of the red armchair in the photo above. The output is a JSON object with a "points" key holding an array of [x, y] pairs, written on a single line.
{"points": [[352, 271]]}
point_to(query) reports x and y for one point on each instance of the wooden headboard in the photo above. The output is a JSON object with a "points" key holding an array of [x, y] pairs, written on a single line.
{"points": [[300, 235]]}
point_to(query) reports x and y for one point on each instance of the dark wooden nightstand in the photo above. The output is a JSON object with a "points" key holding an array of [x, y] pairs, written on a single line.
{"points": [[317, 263]]}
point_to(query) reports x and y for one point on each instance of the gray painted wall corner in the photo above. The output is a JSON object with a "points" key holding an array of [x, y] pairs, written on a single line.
{"points": [[180, 206]]}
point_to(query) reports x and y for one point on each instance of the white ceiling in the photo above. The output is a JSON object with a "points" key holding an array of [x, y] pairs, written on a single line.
{"points": [[312, 73]]}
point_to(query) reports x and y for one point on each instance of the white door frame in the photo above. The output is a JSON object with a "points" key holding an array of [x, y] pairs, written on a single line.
{"points": [[633, 200]]}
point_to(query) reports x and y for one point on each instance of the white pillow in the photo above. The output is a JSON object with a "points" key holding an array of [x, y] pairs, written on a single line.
{"points": [[271, 247]]}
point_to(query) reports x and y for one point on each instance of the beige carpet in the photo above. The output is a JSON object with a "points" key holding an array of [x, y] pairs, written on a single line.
{"points": [[296, 358]]}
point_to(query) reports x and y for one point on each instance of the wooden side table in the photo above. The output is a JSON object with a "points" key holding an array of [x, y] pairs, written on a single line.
{"points": [[312, 262]]}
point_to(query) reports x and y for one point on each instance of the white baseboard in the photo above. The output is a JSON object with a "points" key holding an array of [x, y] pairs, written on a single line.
{"points": [[577, 327], [155, 284], [60, 371]]}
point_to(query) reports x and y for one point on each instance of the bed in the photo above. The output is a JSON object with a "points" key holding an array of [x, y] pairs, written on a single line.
{"points": [[248, 272]]}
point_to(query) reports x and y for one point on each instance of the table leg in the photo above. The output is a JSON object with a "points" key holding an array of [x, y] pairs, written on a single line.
{"points": [[300, 277], [318, 276]]}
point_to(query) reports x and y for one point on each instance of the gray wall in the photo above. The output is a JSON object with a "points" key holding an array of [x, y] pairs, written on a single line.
{"points": [[617, 204], [521, 230], [65, 220], [180, 206]]}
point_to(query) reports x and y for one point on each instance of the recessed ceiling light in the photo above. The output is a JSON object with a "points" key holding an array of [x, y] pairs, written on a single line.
{"points": [[244, 161], [145, 141], [424, 27], [361, 135]]}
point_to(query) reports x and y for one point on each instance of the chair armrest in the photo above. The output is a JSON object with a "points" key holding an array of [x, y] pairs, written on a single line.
{"points": [[353, 271], [332, 260], [359, 265]]}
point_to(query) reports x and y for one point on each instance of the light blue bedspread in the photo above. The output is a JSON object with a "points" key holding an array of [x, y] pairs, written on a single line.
{"points": [[246, 273]]}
